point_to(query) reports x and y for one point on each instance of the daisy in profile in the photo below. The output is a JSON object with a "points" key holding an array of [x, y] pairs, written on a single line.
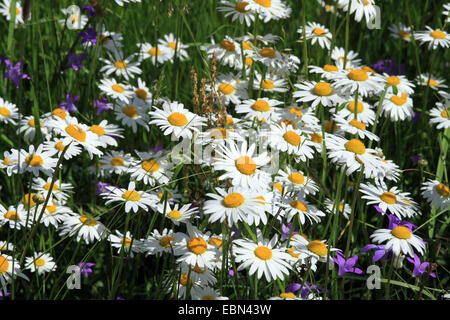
{"points": [[326, 72], [397, 107], [389, 199], [60, 191], [400, 82], [263, 257], [40, 263], [158, 243], [434, 37], [354, 127], [263, 109], [299, 116], [436, 193], [85, 228], [142, 92], [156, 54], [230, 89], [400, 239], [5, 10], [296, 180], [400, 31], [446, 13], [235, 204], [177, 213], [194, 249], [202, 276], [432, 81], [363, 111], [175, 119], [117, 65], [107, 133], [317, 33], [174, 46], [206, 293], [269, 57], [116, 90], [338, 55], [37, 160], [16, 218], [364, 8], [132, 114], [241, 166], [269, 83], [440, 116], [111, 41], [297, 206], [57, 144], [151, 168], [269, 9], [342, 208], [317, 92], [134, 200], [77, 134], [127, 243], [27, 126], [6, 246], [8, 112], [311, 251], [349, 81], [238, 11], [117, 162], [9, 268], [227, 52], [54, 214]]}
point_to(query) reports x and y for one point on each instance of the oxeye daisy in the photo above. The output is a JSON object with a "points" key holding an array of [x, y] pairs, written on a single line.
{"points": [[78, 21], [107, 133], [194, 249], [132, 114], [166, 195], [241, 165], [311, 251], [263, 109], [218, 135], [16, 218], [36, 160], [158, 243], [296, 180], [127, 243], [446, 12], [432, 81], [234, 205], [60, 191], [363, 111], [85, 228], [338, 55], [398, 107], [350, 81], [440, 116], [116, 90], [206, 293], [134, 200], [269, 57], [293, 141], [119, 66], [227, 52], [142, 92], [9, 268], [151, 168], [389, 199], [298, 207], [326, 71], [269, 9], [156, 54], [111, 41], [177, 213], [269, 83], [361, 8], [77, 134], [174, 46], [400, 82], [434, 37], [317, 92], [304, 117], [342, 208], [400, 239], [400, 31], [57, 144], [230, 89], [40, 262], [263, 257], [8, 112], [354, 127], [27, 126], [55, 214], [202, 276], [117, 162], [6, 246], [436, 193], [238, 11], [182, 280], [317, 33], [175, 118]]}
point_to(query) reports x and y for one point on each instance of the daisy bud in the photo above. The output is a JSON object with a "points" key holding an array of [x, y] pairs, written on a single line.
{"points": [[423, 162], [39, 198]]}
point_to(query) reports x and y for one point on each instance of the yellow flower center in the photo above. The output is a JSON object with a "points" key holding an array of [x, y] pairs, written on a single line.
{"points": [[389, 198], [197, 246], [263, 253], [165, 241], [358, 75], [233, 200], [76, 132], [131, 195], [292, 138], [399, 101], [401, 232], [184, 279], [261, 106], [323, 89], [215, 242], [174, 214], [296, 178], [226, 88], [32, 124], [130, 111], [299, 205], [438, 34], [394, 80], [433, 83], [90, 222], [104, 39], [4, 264], [120, 64], [34, 160], [60, 113], [219, 133], [267, 84], [127, 242], [268, 53], [153, 52], [97, 130], [8, 162], [39, 262], [245, 165], [5, 112], [355, 146], [368, 69], [11, 215], [404, 34], [316, 137], [172, 45], [117, 161], [197, 269], [177, 119], [141, 94], [47, 186], [298, 112], [241, 6], [27, 199], [247, 46], [291, 252], [264, 3], [443, 190], [287, 295], [118, 88], [208, 298], [357, 124], [319, 32], [330, 68], [278, 186], [359, 107], [59, 146], [228, 45], [248, 61], [318, 247], [51, 208], [330, 127], [444, 114]]}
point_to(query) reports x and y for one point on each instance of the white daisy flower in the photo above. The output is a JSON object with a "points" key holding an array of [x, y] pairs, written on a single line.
{"points": [[40, 262], [230, 89], [326, 71], [156, 54], [237, 11], [206, 293], [317, 33], [151, 168], [317, 92], [6, 246], [350, 81], [400, 31], [107, 133], [57, 144], [8, 112], [342, 208], [297, 206], [132, 114], [269, 83], [27, 126], [432, 81], [134, 200], [364, 112], [397, 107], [117, 162], [338, 55], [84, 227], [116, 90], [60, 191], [16, 218], [434, 37], [361, 8], [400, 82], [142, 92], [354, 127], [311, 251], [158, 243], [5, 10], [55, 214], [127, 243], [296, 180], [400, 240], [117, 65], [269, 9], [177, 213], [440, 117], [77, 21], [227, 52], [36, 160], [9, 268], [437, 194], [263, 109], [174, 46]]}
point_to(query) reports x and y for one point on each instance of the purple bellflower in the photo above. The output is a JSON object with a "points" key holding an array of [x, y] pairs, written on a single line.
{"points": [[419, 267], [346, 265], [15, 73], [69, 104]]}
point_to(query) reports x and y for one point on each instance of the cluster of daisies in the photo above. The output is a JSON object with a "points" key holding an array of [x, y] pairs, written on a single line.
{"points": [[260, 151]]}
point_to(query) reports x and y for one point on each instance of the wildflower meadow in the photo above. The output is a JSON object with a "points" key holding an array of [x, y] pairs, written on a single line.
{"points": [[224, 150]]}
